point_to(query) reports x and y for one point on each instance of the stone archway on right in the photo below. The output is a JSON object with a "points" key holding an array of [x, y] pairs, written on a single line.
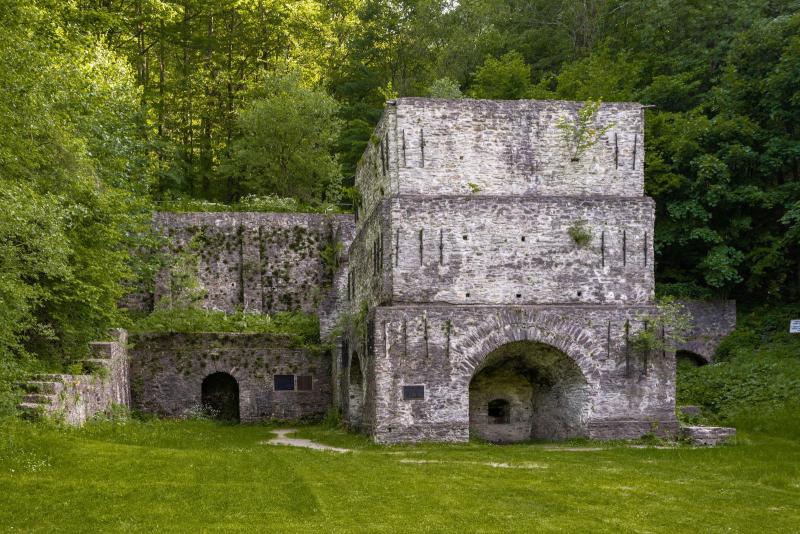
{"points": [[526, 390]]}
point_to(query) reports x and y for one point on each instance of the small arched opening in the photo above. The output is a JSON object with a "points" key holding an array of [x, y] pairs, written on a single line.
{"points": [[686, 358], [220, 397], [524, 390], [355, 391]]}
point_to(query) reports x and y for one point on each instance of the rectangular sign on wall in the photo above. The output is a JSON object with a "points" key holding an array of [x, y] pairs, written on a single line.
{"points": [[794, 326]]}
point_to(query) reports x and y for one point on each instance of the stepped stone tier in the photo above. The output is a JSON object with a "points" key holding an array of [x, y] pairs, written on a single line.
{"points": [[74, 399], [482, 313]]}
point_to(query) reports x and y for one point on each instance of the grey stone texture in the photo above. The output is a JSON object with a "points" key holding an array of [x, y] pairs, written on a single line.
{"points": [[257, 262], [708, 435], [711, 322], [167, 372], [76, 398], [465, 244], [485, 263]]}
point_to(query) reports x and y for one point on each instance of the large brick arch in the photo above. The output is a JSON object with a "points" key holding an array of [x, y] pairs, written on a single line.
{"points": [[508, 326]]}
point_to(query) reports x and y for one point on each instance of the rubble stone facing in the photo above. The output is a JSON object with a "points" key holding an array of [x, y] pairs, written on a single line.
{"points": [[711, 322], [518, 250], [167, 372], [708, 435], [258, 262], [442, 347], [74, 399], [463, 245], [513, 147]]}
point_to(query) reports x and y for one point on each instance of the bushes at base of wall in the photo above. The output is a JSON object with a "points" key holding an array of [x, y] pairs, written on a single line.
{"points": [[757, 377], [304, 328], [263, 203]]}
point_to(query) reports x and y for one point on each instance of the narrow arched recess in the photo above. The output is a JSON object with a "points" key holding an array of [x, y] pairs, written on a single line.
{"points": [[355, 391], [220, 396]]}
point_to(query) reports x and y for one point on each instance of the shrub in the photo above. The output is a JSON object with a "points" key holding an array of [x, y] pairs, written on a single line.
{"points": [[580, 234], [304, 327]]}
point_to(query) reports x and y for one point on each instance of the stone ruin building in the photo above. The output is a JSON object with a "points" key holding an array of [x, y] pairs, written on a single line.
{"points": [[489, 285]]}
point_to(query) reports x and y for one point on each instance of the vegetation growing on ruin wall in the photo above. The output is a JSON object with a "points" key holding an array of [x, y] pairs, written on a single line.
{"points": [[303, 327], [755, 379]]}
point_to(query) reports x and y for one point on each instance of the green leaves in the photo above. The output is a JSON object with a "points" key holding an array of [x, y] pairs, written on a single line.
{"points": [[583, 133], [285, 143], [507, 78], [70, 162]]}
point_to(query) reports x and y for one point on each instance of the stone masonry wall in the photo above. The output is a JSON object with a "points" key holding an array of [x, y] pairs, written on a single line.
{"points": [[261, 262], [77, 398], [437, 146], [711, 322], [515, 147], [167, 371], [518, 250], [472, 205], [441, 347]]}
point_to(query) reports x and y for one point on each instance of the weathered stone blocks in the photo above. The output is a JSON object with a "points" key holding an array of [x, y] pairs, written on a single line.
{"points": [[708, 435], [76, 398], [168, 370], [465, 245], [257, 262]]}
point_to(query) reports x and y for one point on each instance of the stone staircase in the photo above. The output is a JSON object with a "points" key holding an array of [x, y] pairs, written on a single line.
{"points": [[48, 394], [41, 395]]}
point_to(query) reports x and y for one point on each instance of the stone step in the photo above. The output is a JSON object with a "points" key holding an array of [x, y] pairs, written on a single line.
{"points": [[31, 411], [38, 398], [708, 435], [39, 386], [51, 377], [93, 364]]}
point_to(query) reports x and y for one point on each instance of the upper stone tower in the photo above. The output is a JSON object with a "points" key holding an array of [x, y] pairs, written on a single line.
{"points": [[485, 202], [514, 147]]}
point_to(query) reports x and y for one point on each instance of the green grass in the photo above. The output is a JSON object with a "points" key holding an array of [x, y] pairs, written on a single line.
{"points": [[200, 476]]}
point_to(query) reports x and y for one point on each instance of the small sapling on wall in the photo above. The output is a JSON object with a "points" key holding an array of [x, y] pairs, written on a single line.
{"points": [[582, 134]]}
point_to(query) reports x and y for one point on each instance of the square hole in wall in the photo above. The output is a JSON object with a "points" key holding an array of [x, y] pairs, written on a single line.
{"points": [[413, 392], [523, 238], [465, 237], [284, 382], [304, 383]]}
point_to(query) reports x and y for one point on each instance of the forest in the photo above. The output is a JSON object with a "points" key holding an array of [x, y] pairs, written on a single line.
{"points": [[112, 109]]}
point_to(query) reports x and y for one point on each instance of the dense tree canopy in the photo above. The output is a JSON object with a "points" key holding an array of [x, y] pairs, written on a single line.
{"points": [[108, 105]]}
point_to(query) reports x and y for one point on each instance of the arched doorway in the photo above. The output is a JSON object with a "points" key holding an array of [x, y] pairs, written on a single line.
{"points": [[220, 396], [355, 391], [524, 390], [686, 358]]}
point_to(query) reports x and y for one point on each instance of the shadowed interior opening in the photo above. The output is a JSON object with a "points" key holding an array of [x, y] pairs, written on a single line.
{"points": [[355, 391], [220, 397], [526, 390], [689, 359]]}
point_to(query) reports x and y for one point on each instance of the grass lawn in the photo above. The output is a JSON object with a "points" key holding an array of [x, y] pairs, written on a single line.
{"points": [[198, 476]]}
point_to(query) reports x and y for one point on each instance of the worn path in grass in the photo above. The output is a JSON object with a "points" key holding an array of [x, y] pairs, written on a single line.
{"points": [[200, 476], [282, 439]]}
